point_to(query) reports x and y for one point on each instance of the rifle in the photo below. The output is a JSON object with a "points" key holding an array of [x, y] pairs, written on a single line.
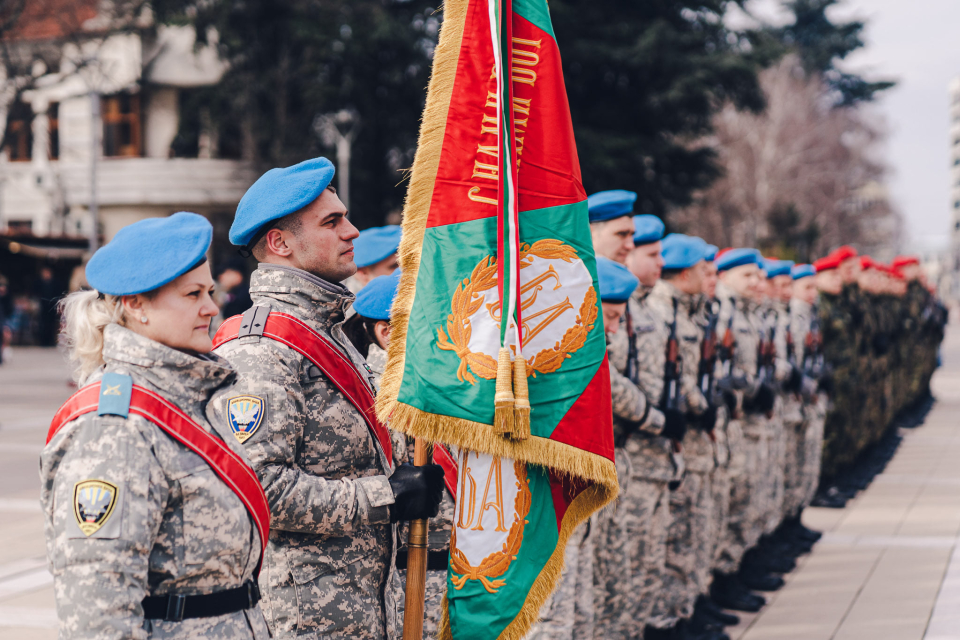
{"points": [[708, 352], [767, 354], [631, 372], [670, 399], [813, 349], [728, 345]]}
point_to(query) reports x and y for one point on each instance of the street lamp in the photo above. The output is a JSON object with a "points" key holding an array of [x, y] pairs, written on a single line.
{"points": [[339, 130]]}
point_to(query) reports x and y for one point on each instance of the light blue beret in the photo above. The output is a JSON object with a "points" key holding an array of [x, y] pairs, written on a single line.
{"points": [[738, 258], [803, 271], [777, 267], [682, 252], [373, 245], [375, 299], [150, 253], [278, 193], [647, 229], [607, 205], [711, 253], [616, 281]]}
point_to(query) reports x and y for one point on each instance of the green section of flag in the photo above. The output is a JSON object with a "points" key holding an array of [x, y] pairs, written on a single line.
{"points": [[535, 11], [476, 614], [450, 253]]}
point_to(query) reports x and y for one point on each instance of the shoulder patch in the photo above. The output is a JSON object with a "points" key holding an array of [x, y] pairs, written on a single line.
{"points": [[94, 501], [690, 338], [115, 390], [245, 415]]}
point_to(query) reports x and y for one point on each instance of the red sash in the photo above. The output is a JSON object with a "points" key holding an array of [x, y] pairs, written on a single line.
{"points": [[337, 367], [443, 457], [230, 467]]}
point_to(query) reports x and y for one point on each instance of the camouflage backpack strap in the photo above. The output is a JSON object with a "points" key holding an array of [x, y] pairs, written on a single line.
{"points": [[336, 366], [115, 394]]}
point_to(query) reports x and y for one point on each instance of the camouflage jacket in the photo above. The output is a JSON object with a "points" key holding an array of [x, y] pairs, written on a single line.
{"points": [[377, 363], [698, 447], [324, 474], [173, 528], [739, 314], [650, 453], [778, 316]]}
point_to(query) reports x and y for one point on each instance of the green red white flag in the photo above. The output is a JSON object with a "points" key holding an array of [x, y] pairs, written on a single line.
{"points": [[498, 346]]}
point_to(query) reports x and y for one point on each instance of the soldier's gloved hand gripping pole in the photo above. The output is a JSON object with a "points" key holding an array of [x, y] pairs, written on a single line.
{"points": [[417, 490]]}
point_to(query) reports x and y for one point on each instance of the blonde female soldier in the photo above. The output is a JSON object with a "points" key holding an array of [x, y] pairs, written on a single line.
{"points": [[154, 520]]}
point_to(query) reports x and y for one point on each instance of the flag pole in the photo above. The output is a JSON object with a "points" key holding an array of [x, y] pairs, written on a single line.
{"points": [[416, 560]]}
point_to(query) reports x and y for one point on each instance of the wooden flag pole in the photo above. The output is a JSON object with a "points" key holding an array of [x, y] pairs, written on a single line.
{"points": [[416, 560]]}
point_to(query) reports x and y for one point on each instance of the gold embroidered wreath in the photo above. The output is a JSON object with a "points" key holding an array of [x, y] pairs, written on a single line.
{"points": [[468, 298], [497, 563]]}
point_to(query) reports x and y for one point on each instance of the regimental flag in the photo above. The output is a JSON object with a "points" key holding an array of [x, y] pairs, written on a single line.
{"points": [[498, 345]]}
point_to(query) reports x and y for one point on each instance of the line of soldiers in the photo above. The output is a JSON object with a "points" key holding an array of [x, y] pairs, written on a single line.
{"points": [[723, 365]]}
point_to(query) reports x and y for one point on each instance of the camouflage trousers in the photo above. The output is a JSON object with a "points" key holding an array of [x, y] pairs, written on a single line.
{"points": [[568, 613], [435, 589], [689, 549], [794, 427], [631, 549], [775, 468], [814, 416], [728, 551], [749, 494]]}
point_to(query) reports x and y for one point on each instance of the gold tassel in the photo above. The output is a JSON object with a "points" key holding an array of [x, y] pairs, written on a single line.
{"points": [[521, 410], [503, 401]]}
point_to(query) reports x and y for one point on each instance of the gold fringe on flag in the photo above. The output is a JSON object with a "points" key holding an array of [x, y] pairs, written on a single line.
{"points": [[521, 402], [503, 400]]}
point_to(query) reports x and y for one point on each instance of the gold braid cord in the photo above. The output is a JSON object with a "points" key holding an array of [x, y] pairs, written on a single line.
{"points": [[496, 564], [468, 299]]}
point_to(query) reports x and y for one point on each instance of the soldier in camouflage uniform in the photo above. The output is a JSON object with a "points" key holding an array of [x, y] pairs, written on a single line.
{"points": [[689, 551], [369, 330], [332, 489], [739, 278], [134, 519]]}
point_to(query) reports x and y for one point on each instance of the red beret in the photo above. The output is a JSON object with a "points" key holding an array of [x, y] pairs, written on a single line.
{"points": [[827, 263], [903, 261], [721, 252], [845, 253], [866, 262]]}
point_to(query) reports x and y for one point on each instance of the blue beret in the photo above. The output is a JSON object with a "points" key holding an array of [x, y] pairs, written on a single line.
{"points": [[375, 299], [278, 193], [803, 271], [682, 252], [616, 281], [373, 245], [711, 252], [607, 205], [150, 253], [777, 267], [647, 229], [738, 258]]}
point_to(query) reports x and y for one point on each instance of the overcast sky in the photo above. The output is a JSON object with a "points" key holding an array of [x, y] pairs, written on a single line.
{"points": [[916, 43]]}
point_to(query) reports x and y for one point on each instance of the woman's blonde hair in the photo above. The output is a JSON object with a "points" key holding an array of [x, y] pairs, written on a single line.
{"points": [[85, 316]]}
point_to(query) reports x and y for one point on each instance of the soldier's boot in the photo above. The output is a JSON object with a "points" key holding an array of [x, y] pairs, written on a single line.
{"points": [[728, 592], [689, 630], [758, 579], [794, 527], [768, 558], [709, 610]]}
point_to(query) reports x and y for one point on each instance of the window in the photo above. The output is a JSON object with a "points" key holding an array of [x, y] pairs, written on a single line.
{"points": [[19, 133], [53, 114], [121, 125]]}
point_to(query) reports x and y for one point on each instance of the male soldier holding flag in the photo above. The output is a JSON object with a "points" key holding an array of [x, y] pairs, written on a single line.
{"points": [[314, 441]]}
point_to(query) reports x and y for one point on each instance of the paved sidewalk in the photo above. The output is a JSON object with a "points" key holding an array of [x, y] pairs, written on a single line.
{"points": [[888, 566]]}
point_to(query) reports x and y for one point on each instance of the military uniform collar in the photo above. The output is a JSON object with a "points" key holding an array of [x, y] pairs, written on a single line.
{"points": [[177, 374], [641, 292], [314, 298], [799, 305], [667, 291]]}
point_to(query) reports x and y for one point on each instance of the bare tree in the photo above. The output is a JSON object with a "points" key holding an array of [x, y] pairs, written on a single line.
{"points": [[800, 178]]}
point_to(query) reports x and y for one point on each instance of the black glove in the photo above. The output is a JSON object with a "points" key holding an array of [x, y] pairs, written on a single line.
{"points": [[765, 399], [730, 399], [674, 424], [732, 383], [826, 382], [795, 383], [708, 420], [417, 492]]}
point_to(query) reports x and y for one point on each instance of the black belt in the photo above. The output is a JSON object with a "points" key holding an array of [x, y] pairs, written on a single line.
{"points": [[436, 560], [176, 607]]}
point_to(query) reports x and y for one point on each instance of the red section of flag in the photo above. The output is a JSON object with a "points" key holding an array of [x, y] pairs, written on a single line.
{"points": [[546, 149], [466, 184], [588, 425], [564, 489]]}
